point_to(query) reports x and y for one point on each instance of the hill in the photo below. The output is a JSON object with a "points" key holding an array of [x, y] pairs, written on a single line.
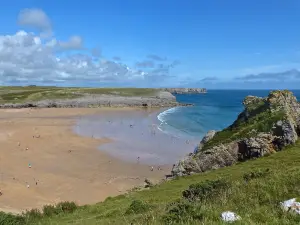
{"points": [[45, 97], [75, 97]]}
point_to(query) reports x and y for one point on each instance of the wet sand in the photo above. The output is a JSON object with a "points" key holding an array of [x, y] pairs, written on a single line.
{"points": [[135, 135], [64, 165]]}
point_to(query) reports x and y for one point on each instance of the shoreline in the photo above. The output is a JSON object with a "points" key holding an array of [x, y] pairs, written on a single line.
{"points": [[67, 169], [136, 135]]}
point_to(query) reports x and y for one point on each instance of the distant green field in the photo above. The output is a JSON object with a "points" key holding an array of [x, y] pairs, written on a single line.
{"points": [[15, 94], [254, 190]]}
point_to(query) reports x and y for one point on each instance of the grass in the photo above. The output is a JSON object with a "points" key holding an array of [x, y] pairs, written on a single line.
{"points": [[20, 94], [262, 122], [252, 189]]}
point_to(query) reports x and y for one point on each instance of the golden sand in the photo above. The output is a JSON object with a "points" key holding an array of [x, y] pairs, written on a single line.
{"points": [[64, 166]]}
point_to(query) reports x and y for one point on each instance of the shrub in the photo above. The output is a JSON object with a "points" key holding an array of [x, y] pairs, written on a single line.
{"points": [[33, 214], [109, 198], [181, 212], [62, 207], [49, 210], [137, 206], [10, 219], [256, 174], [202, 190], [67, 207]]}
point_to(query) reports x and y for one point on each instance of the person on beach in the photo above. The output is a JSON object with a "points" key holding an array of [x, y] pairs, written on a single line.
{"points": [[138, 159], [152, 168]]}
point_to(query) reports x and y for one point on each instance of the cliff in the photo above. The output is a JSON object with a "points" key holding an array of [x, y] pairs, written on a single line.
{"points": [[265, 126], [185, 90], [60, 97]]}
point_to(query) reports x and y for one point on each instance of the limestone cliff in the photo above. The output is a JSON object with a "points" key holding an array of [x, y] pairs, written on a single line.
{"points": [[265, 126], [185, 90]]}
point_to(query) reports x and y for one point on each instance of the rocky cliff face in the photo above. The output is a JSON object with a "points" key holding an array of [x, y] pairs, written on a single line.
{"points": [[185, 90], [264, 127]]}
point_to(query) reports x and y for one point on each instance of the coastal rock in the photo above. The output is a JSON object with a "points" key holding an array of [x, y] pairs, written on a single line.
{"points": [[208, 136], [161, 99], [265, 126], [185, 90], [291, 205], [287, 130], [229, 216], [213, 158], [257, 146]]}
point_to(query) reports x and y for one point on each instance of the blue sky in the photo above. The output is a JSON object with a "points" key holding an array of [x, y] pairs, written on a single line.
{"points": [[213, 44]]}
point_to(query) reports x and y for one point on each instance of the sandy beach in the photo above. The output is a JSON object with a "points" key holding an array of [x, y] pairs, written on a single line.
{"points": [[43, 161]]}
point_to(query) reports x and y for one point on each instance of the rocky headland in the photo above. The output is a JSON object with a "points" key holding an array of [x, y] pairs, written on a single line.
{"points": [[185, 90], [265, 126], [66, 98], [162, 99]]}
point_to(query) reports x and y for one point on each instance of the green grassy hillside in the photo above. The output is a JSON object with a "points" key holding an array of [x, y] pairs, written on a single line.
{"points": [[252, 189], [18, 94]]}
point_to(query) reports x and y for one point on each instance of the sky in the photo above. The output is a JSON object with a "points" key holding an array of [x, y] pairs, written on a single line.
{"points": [[151, 43]]}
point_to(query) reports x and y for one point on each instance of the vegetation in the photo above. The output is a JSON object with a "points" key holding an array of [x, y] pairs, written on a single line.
{"points": [[19, 94], [262, 122], [203, 190], [137, 206], [252, 189]]}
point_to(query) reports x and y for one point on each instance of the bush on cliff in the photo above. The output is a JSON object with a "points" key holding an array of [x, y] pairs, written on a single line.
{"points": [[203, 190], [256, 174], [182, 212], [137, 206], [9, 219]]}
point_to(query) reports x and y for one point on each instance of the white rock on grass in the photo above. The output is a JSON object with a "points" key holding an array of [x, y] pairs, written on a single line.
{"points": [[229, 216], [291, 205]]}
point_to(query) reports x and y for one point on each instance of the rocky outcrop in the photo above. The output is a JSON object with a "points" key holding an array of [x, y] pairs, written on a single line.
{"points": [[161, 99], [265, 126], [185, 90], [208, 136]]}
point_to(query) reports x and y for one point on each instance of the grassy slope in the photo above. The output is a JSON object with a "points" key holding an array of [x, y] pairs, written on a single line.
{"points": [[25, 94], [257, 201]]}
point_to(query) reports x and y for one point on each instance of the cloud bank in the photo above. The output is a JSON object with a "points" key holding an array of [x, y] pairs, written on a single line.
{"points": [[39, 58], [279, 76]]}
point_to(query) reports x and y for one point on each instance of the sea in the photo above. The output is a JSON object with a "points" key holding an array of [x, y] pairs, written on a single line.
{"points": [[213, 110], [163, 137]]}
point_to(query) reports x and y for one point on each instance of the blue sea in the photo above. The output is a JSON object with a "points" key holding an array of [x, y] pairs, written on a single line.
{"points": [[214, 110]]}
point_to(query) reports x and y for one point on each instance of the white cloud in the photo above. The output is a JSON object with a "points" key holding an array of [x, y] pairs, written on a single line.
{"points": [[28, 58], [74, 43], [24, 57], [36, 18]]}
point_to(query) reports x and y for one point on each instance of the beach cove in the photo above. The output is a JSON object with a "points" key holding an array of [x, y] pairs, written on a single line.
{"points": [[135, 135], [44, 162]]}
